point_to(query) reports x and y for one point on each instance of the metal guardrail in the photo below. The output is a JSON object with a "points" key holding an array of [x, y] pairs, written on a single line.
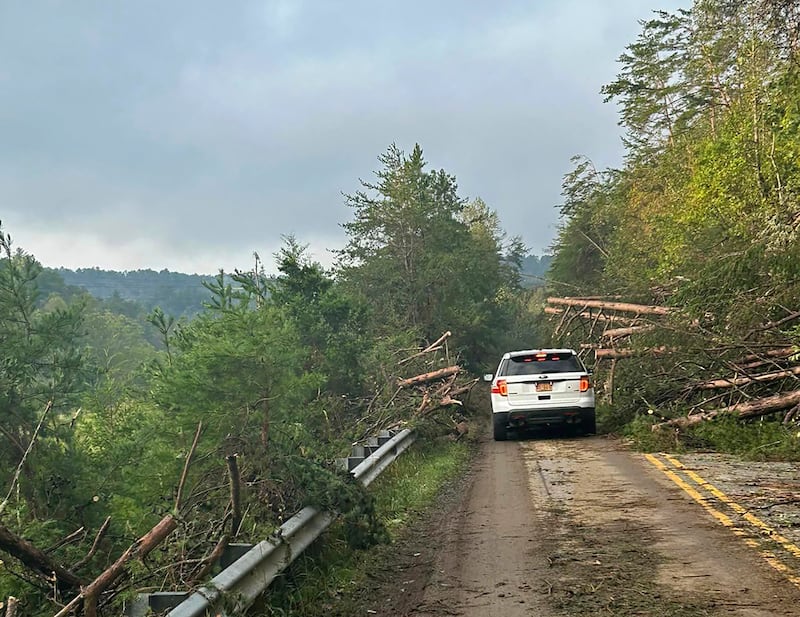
{"points": [[236, 587]]}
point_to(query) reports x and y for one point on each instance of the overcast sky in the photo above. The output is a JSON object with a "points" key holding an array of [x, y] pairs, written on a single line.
{"points": [[187, 135]]}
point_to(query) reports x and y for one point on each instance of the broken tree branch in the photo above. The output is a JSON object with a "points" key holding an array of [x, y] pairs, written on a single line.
{"points": [[622, 332], [182, 483], [139, 549], [95, 545], [742, 381], [435, 346], [773, 324], [209, 560], [11, 606]]}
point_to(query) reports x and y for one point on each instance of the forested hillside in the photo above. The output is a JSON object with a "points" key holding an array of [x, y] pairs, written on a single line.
{"points": [[108, 435], [175, 293], [702, 220]]}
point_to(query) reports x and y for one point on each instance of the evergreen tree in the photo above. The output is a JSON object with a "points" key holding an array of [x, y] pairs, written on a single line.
{"points": [[431, 262]]}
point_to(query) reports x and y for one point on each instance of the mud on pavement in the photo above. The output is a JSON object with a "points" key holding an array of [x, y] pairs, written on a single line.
{"points": [[553, 526]]}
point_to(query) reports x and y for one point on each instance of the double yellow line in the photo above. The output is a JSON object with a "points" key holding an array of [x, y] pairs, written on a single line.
{"points": [[749, 528]]}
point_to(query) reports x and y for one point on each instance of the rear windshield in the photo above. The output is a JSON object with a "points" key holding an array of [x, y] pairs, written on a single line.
{"points": [[537, 364]]}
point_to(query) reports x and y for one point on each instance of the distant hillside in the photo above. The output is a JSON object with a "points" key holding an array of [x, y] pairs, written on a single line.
{"points": [[534, 270], [176, 293]]}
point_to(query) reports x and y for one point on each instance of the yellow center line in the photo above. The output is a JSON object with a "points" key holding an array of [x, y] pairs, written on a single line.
{"points": [[750, 518], [723, 518]]}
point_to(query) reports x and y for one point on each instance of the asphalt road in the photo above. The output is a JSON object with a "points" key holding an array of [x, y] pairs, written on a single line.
{"points": [[559, 525]]}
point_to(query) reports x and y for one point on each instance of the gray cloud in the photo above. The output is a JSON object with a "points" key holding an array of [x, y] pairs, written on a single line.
{"points": [[187, 135]]}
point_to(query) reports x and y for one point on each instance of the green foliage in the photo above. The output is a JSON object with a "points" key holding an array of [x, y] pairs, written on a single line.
{"points": [[704, 214], [436, 262], [760, 439], [42, 372], [581, 249], [330, 324], [408, 488]]}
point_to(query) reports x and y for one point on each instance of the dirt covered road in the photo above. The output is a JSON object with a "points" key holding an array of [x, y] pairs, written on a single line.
{"points": [[556, 526]]}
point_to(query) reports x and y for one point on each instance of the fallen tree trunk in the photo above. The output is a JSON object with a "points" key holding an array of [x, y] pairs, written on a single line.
{"points": [[749, 409], [630, 353], [625, 307], [427, 377], [551, 310], [767, 357], [716, 384], [36, 559], [621, 332]]}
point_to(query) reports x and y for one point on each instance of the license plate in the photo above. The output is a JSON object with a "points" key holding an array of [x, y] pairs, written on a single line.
{"points": [[544, 386]]}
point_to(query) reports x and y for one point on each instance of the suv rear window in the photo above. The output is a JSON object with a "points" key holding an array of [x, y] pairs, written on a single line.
{"points": [[539, 363]]}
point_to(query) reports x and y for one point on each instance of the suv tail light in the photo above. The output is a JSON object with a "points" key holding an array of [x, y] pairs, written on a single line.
{"points": [[501, 388], [585, 384]]}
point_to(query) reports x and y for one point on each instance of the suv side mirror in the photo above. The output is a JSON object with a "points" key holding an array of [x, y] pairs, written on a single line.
{"points": [[488, 377]]}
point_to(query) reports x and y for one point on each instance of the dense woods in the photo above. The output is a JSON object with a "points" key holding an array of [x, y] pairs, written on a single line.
{"points": [[132, 427], [702, 218]]}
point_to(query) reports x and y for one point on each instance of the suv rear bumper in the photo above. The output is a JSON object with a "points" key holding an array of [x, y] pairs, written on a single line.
{"points": [[522, 418]]}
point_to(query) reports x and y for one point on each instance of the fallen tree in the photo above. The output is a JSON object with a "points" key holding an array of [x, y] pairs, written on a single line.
{"points": [[625, 307], [627, 331], [748, 409], [138, 550], [716, 384], [36, 559], [617, 354], [551, 310], [428, 377]]}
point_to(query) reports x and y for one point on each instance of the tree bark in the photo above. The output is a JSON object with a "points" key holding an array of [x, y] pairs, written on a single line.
{"points": [[551, 310], [625, 307], [749, 409], [629, 353], [36, 559], [427, 377], [11, 606], [140, 548], [620, 332], [716, 384]]}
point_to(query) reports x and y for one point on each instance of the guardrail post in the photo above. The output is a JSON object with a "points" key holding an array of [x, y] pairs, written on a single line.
{"points": [[233, 552], [155, 603]]}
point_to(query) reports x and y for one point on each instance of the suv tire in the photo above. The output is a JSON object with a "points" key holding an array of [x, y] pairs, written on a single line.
{"points": [[499, 424]]}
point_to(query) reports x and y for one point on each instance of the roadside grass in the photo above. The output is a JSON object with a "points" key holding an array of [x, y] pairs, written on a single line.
{"points": [[322, 581], [763, 439]]}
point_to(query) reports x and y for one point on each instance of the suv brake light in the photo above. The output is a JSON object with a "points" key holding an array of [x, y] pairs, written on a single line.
{"points": [[585, 384], [501, 388]]}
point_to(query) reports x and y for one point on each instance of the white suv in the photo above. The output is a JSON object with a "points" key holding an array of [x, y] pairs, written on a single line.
{"points": [[541, 387]]}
